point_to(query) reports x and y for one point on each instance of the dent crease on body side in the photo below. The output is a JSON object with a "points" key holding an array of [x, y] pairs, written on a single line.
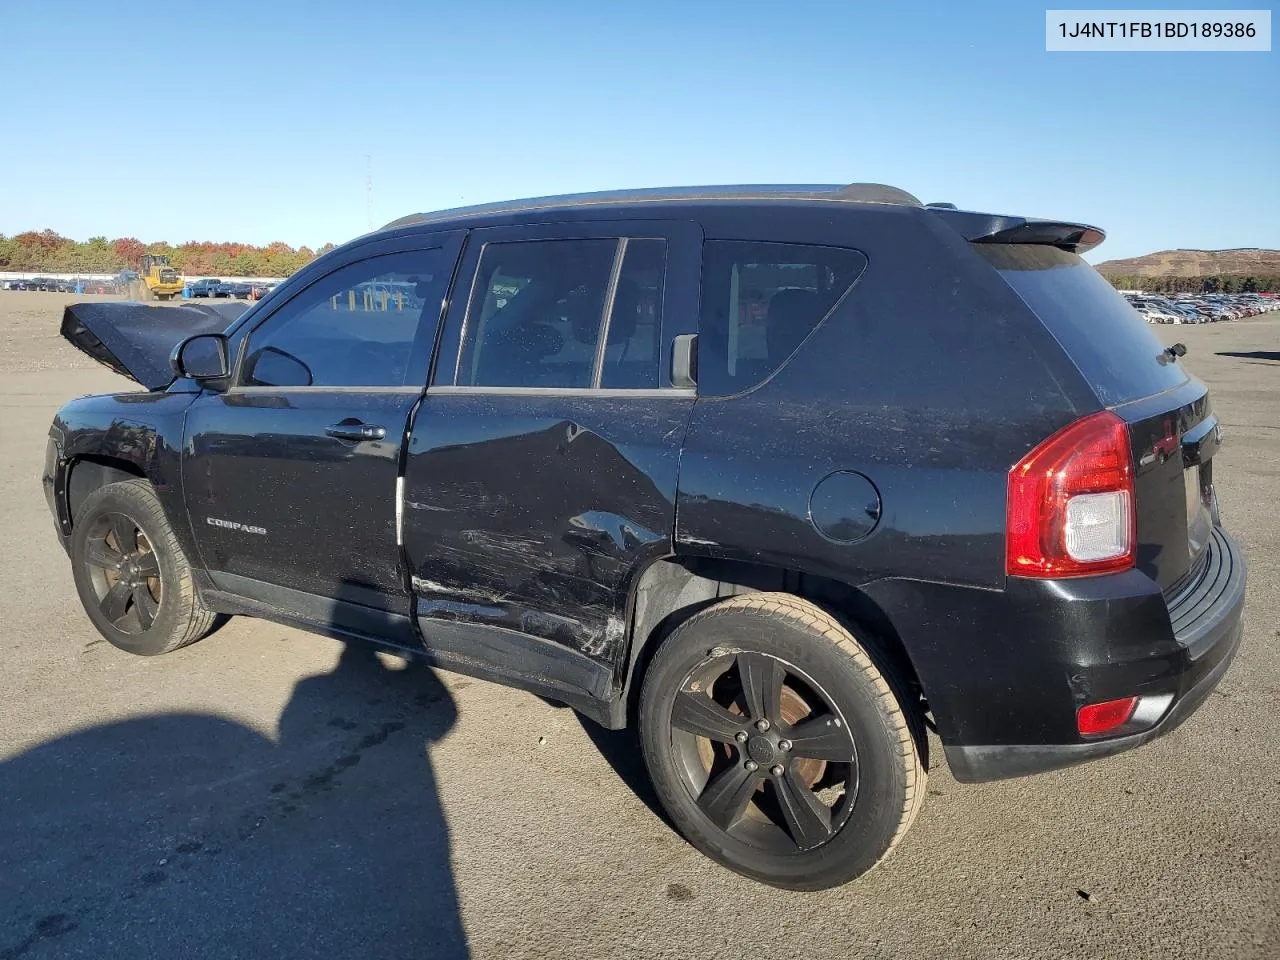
{"points": [[471, 594]]}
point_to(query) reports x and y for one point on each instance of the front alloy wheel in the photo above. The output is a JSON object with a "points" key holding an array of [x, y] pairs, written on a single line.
{"points": [[124, 572], [131, 573]]}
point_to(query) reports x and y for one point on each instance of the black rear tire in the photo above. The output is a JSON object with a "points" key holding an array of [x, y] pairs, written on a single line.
{"points": [[133, 579], [776, 744]]}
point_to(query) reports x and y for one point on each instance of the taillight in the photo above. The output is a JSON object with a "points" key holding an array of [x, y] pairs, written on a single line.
{"points": [[1071, 510]]}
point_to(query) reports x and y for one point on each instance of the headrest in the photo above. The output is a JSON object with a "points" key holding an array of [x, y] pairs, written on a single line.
{"points": [[792, 314], [539, 340], [583, 311]]}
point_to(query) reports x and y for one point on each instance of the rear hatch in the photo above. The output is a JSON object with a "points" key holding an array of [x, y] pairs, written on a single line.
{"points": [[1172, 429]]}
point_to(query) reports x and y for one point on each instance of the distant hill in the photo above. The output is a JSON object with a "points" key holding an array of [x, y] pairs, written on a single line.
{"points": [[1242, 262]]}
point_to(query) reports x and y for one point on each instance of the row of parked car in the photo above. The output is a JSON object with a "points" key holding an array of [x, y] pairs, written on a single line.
{"points": [[1201, 307], [60, 285], [233, 289], [198, 288]]}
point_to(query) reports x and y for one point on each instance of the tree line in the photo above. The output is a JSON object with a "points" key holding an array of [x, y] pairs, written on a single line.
{"points": [[1216, 284], [46, 251]]}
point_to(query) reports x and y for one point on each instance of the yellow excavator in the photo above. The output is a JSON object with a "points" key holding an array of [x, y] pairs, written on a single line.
{"points": [[157, 280]]}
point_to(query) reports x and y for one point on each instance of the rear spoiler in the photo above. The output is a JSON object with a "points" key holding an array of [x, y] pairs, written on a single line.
{"points": [[994, 228]]}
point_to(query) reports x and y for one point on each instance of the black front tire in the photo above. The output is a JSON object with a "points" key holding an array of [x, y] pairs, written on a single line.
{"points": [[133, 579], [825, 787]]}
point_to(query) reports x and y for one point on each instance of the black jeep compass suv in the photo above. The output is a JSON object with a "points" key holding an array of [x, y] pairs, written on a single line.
{"points": [[778, 475]]}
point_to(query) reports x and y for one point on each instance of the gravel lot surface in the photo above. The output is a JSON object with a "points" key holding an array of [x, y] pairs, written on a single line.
{"points": [[267, 793]]}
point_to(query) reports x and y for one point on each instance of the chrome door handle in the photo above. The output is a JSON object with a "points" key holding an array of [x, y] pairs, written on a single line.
{"points": [[356, 431]]}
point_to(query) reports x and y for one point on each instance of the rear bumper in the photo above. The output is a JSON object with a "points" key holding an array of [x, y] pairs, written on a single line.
{"points": [[1206, 623]]}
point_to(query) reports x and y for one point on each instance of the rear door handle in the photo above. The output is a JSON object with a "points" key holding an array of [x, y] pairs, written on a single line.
{"points": [[348, 430]]}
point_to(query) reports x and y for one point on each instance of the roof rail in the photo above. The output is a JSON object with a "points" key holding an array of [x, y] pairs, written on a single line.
{"points": [[853, 192], [877, 193]]}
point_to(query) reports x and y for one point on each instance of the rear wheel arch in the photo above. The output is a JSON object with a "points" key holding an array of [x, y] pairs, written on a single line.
{"points": [[776, 743], [672, 590]]}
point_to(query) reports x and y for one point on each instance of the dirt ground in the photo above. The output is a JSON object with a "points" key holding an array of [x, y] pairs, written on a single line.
{"points": [[267, 793]]}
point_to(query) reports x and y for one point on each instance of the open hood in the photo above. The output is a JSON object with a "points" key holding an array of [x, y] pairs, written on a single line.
{"points": [[135, 339]]}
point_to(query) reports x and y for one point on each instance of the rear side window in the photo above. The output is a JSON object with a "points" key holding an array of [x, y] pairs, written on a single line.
{"points": [[565, 314], [1108, 340], [759, 302]]}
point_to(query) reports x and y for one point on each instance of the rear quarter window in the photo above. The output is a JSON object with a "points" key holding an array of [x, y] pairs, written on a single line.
{"points": [[1109, 342], [760, 300]]}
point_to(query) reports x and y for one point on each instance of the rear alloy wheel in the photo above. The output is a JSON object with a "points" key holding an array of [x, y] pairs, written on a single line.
{"points": [[777, 745], [133, 579]]}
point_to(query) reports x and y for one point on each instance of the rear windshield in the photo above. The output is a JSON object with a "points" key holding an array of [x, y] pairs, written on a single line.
{"points": [[1109, 341]]}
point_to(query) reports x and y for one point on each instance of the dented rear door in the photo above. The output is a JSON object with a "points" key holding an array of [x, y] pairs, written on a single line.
{"points": [[542, 465]]}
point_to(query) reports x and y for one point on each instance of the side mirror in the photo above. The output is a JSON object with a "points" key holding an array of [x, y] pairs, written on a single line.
{"points": [[202, 357]]}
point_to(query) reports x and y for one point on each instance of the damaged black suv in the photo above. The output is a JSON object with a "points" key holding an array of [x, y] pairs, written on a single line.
{"points": [[778, 475]]}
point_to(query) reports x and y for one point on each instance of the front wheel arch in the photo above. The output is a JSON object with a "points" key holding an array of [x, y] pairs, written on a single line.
{"points": [[86, 474]]}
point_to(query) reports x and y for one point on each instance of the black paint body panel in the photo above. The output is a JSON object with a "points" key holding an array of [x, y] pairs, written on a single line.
{"points": [[327, 505], [135, 339], [506, 533], [1170, 433], [1127, 656], [930, 395], [142, 431], [537, 513]]}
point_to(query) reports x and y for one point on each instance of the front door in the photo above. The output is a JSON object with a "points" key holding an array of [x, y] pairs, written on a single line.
{"points": [[291, 474], [542, 466]]}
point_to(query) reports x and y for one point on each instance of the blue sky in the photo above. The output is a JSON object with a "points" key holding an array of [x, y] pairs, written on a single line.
{"points": [[253, 121]]}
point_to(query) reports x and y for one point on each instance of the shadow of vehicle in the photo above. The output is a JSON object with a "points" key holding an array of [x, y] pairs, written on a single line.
{"points": [[192, 835], [1251, 354], [621, 749]]}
